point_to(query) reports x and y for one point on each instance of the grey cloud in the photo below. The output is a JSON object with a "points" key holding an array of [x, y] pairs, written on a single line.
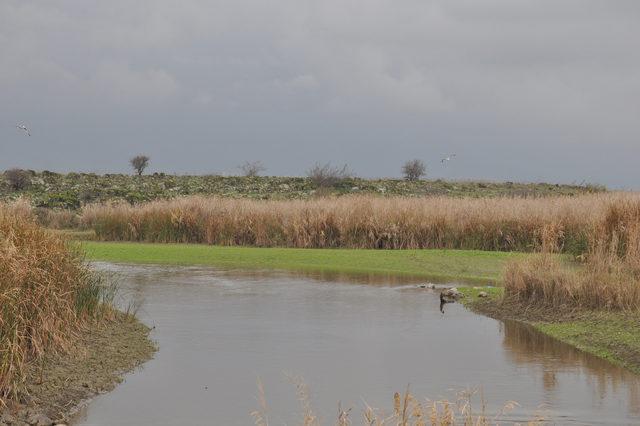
{"points": [[521, 89]]}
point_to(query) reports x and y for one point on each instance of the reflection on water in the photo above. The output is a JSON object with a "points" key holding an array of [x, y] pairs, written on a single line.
{"points": [[220, 330], [549, 358], [381, 279]]}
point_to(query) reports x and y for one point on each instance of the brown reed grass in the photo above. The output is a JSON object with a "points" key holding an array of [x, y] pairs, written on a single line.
{"points": [[609, 278], [57, 218], [47, 294], [504, 224], [49, 218], [407, 411]]}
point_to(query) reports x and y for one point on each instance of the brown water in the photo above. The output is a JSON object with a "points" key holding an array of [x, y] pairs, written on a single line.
{"points": [[351, 341]]}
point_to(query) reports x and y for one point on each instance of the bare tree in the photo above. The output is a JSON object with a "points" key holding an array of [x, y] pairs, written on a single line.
{"points": [[252, 168], [414, 170], [324, 176], [139, 163], [18, 179]]}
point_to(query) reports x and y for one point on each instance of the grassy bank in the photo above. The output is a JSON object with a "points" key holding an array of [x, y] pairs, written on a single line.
{"points": [[72, 190], [437, 265]]}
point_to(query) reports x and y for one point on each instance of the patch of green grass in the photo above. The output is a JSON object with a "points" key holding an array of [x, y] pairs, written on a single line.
{"points": [[438, 265], [471, 293], [612, 336]]}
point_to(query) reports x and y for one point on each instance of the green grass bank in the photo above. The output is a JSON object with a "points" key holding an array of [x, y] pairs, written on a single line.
{"points": [[437, 265]]}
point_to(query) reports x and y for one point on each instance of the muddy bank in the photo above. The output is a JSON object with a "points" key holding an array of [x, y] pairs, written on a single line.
{"points": [[495, 307], [63, 383]]}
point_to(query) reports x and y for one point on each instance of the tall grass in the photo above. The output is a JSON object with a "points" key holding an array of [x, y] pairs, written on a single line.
{"points": [[505, 224], [47, 295], [609, 278]]}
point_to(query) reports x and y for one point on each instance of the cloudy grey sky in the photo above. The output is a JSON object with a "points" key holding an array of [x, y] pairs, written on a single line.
{"points": [[520, 89]]}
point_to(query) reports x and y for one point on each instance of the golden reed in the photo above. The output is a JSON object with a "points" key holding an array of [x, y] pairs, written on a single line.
{"points": [[609, 277], [407, 411], [47, 294], [369, 222]]}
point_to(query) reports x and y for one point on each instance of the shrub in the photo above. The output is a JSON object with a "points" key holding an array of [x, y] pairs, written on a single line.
{"points": [[252, 168], [139, 163], [18, 179], [88, 195], [324, 176], [60, 200], [135, 197], [414, 170]]}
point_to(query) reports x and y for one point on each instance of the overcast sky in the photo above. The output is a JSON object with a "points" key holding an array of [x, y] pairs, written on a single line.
{"points": [[537, 90]]}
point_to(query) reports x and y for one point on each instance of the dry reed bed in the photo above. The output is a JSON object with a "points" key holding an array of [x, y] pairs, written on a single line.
{"points": [[609, 279], [47, 295], [56, 218], [505, 224], [407, 411]]}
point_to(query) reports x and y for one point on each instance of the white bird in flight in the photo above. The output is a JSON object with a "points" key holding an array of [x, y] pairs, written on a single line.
{"points": [[447, 158], [24, 128]]}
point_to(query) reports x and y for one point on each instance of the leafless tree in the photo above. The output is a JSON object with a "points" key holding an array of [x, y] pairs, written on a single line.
{"points": [[252, 168], [324, 176], [139, 163], [17, 179], [414, 170]]}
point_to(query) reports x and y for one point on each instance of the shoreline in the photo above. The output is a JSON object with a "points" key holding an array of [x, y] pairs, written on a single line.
{"points": [[609, 335], [60, 387]]}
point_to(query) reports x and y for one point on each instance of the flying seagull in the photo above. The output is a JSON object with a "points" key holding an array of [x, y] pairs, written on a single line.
{"points": [[447, 158], [24, 128]]}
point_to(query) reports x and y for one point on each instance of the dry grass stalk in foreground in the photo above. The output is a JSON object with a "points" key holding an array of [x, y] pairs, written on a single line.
{"points": [[47, 294], [370, 222], [49, 218], [609, 278], [407, 411]]}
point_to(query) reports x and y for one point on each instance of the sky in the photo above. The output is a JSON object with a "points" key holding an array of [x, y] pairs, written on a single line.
{"points": [[520, 90]]}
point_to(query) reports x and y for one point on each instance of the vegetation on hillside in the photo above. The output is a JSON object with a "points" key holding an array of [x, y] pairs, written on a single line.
{"points": [[73, 190]]}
